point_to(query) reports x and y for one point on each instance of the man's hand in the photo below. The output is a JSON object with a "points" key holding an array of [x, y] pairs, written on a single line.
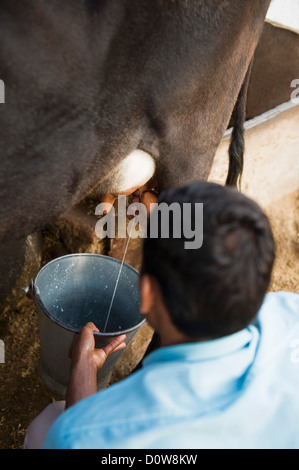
{"points": [[146, 194], [86, 361], [83, 347]]}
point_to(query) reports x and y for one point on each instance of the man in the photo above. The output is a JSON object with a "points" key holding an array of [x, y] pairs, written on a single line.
{"points": [[227, 372]]}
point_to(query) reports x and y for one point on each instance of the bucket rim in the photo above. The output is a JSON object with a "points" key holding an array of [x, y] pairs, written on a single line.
{"points": [[43, 308]]}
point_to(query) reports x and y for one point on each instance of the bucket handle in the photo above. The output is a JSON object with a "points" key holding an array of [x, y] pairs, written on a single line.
{"points": [[28, 290]]}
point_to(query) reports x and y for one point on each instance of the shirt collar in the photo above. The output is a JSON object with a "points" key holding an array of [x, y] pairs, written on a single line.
{"points": [[204, 350]]}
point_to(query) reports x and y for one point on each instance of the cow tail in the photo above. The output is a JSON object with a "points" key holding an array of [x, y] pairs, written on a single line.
{"points": [[236, 148]]}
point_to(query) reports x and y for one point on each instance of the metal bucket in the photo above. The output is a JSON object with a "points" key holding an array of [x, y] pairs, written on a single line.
{"points": [[72, 290]]}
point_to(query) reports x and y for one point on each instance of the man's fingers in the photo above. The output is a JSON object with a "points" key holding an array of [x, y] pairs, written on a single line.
{"points": [[109, 198], [115, 345], [91, 325], [120, 346]]}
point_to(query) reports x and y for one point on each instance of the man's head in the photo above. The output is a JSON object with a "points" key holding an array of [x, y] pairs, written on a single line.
{"points": [[217, 289]]}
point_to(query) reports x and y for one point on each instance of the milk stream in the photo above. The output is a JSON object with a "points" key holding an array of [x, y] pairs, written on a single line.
{"points": [[117, 280]]}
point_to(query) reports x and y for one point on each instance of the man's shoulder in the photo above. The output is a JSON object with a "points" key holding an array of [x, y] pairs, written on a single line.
{"points": [[278, 325], [281, 303], [279, 313]]}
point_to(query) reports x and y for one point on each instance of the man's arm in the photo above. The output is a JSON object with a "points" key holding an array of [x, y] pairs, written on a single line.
{"points": [[86, 361]]}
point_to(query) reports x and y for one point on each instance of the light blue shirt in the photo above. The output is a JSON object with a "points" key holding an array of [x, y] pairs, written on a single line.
{"points": [[240, 391]]}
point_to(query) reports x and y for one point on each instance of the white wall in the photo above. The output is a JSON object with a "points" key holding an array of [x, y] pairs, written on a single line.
{"points": [[271, 160]]}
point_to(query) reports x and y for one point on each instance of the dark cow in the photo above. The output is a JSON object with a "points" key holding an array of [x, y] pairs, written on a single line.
{"points": [[89, 82]]}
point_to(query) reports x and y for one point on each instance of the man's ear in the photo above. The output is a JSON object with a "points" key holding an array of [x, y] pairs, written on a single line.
{"points": [[147, 293]]}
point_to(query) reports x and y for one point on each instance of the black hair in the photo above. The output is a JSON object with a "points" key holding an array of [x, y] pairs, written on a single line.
{"points": [[217, 289]]}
